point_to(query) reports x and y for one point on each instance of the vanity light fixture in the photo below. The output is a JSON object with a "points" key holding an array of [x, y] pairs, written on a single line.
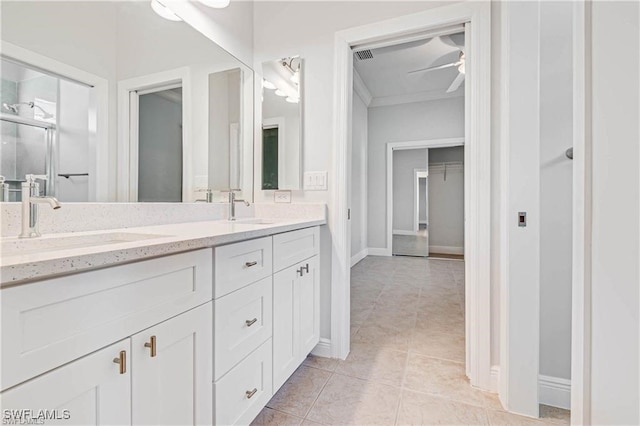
{"points": [[164, 11], [218, 4], [280, 93], [268, 85]]}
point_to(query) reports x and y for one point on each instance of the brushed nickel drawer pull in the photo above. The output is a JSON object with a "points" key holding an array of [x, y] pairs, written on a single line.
{"points": [[300, 271], [306, 268], [152, 345], [122, 360], [251, 322], [250, 264], [251, 393]]}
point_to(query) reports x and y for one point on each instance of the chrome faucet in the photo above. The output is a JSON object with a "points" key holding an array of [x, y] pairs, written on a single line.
{"points": [[232, 202], [30, 200]]}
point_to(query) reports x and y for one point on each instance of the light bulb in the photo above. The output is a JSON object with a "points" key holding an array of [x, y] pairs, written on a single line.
{"points": [[218, 4], [292, 100], [268, 85], [163, 11], [280, 93]]}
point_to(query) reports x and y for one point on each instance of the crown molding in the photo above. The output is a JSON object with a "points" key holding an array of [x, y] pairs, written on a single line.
{"points": [[432, 95], [361, 89]]}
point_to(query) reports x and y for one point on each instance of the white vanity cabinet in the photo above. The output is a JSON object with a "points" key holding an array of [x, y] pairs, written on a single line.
{"points": [[58, 349], [296, 301]]}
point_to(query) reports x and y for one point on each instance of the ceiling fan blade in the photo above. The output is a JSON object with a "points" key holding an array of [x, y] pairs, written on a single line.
{"points": [[456, 83], [440, 67]]}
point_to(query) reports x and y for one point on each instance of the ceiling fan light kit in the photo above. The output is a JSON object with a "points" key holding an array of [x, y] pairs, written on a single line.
{"points": [[459, 64]]}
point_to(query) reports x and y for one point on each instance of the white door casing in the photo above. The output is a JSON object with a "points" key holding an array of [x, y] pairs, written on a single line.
{"points": [[477, 157]]}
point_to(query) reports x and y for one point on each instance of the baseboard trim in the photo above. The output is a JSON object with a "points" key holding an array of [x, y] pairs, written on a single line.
{"points": [[494, 378], [554, 391], [323, 348], [403, 232], [446, 250], [359, 256], [377, 251]]}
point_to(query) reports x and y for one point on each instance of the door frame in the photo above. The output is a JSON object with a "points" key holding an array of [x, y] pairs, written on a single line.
{"points": [[127, 166], [416, 200], [477, 158], [403, 146]]}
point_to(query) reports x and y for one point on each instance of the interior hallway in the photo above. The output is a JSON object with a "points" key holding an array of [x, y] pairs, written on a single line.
{"points": [[406, 364]]}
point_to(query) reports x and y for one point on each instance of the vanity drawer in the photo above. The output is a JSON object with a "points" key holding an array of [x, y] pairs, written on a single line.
{"points": [[243, 321], [295, 246], [51, 322], [240, 264], [242, 393]]}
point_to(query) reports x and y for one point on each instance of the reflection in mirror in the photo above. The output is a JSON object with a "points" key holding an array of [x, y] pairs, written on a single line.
{"points": [[281, 123], [160, 145], [113, 103]]}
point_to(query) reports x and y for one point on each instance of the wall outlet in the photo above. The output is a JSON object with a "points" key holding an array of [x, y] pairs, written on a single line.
{"points": [[282, 196], [315, 181]]}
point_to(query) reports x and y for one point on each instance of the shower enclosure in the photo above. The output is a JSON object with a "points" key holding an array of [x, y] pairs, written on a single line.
{"points": [[44, 125]]}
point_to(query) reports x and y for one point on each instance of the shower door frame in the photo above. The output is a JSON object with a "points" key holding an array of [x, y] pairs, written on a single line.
{"points": [[101, 139]]}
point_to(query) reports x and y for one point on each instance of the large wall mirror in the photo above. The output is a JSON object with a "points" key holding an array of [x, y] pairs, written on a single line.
{"points": [[282, 96], [113, 102]]}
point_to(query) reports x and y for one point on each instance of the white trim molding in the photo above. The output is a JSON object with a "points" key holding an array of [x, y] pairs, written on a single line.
{"points": [[433, 95], [323, 348], [359, 256], [376, 251], [446, 250], [554, 391], [477, 180], [361, 88]]}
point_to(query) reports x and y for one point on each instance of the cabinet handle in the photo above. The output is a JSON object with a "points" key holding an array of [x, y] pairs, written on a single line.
{"points": [[152, 345], [300, 271], [306, 268], [251, 322], [122, 360], [251, 393], [250, 264]]}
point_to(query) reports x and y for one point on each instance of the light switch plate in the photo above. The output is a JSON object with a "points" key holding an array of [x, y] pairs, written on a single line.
{"points": [[282, 196], [315, 181]]}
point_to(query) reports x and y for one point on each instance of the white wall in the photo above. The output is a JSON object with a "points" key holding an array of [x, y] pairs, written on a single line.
{"points": [[359, 177], [404, 191], [437, 119], [556, 97], [615, 253], [446, 201]]}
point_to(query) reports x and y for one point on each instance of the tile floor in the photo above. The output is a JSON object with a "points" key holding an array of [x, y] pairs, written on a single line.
{"points": [[406, 364]]}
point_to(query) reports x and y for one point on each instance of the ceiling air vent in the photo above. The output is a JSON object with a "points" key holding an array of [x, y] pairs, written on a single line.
{"points": [[364, 54]]}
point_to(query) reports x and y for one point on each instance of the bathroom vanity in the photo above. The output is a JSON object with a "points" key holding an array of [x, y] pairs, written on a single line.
{"points": [[193, 323]]}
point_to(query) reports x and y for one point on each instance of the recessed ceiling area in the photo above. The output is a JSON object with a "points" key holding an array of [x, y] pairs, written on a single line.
{"points": [[387, 71]]}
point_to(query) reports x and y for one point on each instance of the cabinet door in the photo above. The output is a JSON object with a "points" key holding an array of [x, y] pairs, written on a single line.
{"points": [[90, 391], [286, 326], [309, 299], [173, 370]]}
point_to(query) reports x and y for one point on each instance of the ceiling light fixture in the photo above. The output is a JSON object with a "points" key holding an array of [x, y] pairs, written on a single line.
{"points": [[163, 11], [268, 85], [218, 4]]}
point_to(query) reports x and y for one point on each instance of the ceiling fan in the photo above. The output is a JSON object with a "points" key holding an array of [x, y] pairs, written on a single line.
{"points": [[458, 64]]}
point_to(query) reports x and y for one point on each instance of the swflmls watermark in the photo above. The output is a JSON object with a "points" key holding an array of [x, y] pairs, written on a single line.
{"points": [[27, 416]]}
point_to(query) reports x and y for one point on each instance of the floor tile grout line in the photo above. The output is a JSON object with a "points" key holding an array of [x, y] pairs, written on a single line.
{"points": [[318, 396]]}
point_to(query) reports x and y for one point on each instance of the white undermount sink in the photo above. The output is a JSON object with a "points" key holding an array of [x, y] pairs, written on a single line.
{"points": [[16, 246]]}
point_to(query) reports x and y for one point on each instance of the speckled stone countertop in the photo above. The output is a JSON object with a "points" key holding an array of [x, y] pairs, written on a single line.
{"points": [[147, 242]]}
